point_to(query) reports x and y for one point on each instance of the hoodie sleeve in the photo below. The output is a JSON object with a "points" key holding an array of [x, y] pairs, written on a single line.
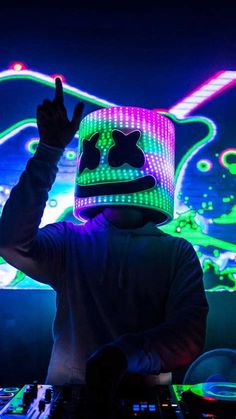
{"points": [[180, 338], [34, 251]]}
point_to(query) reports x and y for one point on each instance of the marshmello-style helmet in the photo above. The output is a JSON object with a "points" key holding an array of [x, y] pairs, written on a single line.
{"points": [[126, 157]]}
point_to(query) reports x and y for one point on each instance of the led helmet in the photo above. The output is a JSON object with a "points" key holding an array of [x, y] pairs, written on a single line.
{"points": [[125, 158]]}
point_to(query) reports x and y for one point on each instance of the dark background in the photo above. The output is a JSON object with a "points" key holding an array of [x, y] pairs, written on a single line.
{"points": [[146, 55]]}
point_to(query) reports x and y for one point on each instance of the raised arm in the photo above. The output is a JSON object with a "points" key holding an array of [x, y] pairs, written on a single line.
{"points": [[22, 243], [55, 129]]}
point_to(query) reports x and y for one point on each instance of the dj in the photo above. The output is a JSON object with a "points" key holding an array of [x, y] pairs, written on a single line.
{"points": [[130, 298]]}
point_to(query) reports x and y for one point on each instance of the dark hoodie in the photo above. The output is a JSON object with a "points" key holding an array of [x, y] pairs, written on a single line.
{"points": [[139, 289]]}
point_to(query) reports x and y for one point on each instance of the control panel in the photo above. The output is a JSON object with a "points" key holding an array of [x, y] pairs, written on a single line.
{"points": [[198, 401]]}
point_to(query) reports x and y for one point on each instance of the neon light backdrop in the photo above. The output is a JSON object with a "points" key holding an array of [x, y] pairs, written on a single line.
{"points": [[132, 152], [205, 197]]}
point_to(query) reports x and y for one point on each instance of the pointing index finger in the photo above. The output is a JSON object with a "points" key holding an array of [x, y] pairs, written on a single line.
{"points": [[59, 91]]}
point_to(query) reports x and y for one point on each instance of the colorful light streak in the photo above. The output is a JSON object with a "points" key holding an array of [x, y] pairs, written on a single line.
{"points": [[212, 87], [16, 129], [209, 89], [49, 81]]}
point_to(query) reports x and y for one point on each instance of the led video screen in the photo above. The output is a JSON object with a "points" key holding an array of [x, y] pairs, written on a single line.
{"points": [[205, 173]]}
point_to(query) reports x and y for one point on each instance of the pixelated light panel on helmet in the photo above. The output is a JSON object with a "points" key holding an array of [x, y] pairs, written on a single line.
{"points": [[126, 157]]}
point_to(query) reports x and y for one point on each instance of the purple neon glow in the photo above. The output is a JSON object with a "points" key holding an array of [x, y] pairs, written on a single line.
{"points": [[136, 118], [217, 84]]}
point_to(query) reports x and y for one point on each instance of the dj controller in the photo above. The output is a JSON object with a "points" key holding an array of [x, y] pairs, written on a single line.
{"points": [[215, 400]]}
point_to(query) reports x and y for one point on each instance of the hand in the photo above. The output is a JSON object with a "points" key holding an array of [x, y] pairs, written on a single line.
{"points": [[54, 127], [105, 370]]}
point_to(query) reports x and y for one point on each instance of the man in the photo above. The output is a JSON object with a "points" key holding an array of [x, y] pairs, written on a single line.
{"points": [[130, 298]]}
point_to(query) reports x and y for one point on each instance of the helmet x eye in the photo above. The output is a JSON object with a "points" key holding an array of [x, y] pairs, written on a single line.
{"points": [[90, 156], [126, 150]]}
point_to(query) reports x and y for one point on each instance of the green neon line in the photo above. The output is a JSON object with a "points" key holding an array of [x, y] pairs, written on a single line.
{"points": [[226, 218], [52, 84], [196, 145], [17, 125], [2, 260], [220, 288]]}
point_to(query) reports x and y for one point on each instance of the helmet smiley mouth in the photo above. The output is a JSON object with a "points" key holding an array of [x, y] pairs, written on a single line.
{"points": [[125, 187]]}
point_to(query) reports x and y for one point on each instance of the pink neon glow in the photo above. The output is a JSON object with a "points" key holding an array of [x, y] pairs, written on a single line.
{"points": [[210, 88], [54, 76], [226, 152], [17, 66], [160, 110]]}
